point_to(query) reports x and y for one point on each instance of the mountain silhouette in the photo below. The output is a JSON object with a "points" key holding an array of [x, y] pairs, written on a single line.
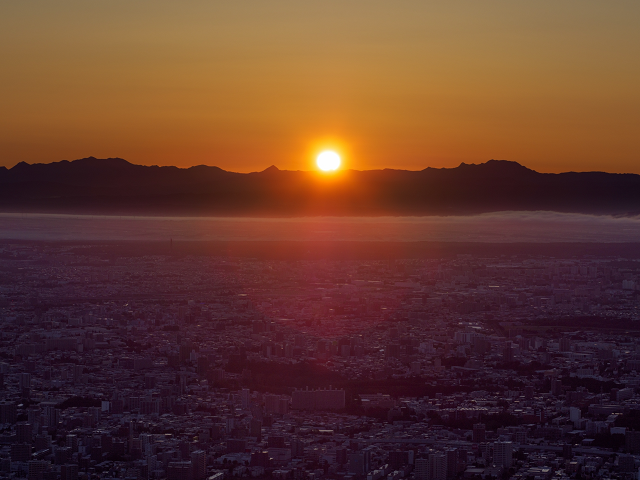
{"points": [[115, 186]]}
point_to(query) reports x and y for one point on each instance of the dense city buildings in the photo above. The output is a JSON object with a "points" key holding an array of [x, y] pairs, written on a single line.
{"points": [[192, 367]]}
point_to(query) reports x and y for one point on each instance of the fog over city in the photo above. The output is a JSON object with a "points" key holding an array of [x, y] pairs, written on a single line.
{"points": [[500, 227]]}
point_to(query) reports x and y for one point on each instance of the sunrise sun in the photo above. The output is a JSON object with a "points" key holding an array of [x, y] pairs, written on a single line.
{"points": [[328, 161]]}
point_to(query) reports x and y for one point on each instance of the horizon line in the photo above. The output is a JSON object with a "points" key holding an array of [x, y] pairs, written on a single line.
{"points": [[337, 172]]}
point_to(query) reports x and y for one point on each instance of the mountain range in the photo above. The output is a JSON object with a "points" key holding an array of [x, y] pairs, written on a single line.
{"points": [[115, 186]]}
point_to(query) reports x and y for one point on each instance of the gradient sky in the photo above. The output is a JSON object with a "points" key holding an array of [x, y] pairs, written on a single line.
{"points": [[554, 85]]}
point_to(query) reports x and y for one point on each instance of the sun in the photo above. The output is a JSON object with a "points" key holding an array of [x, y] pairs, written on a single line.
{"points": [[328, 161]]}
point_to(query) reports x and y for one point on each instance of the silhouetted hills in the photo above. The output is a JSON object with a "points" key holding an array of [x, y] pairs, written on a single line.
{"points": [[115, 186]]}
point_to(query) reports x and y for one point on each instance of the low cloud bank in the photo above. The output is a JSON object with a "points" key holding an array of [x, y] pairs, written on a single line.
{"points": [[490, 227]]}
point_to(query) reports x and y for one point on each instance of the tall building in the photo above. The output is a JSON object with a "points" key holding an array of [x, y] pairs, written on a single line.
{"points": [[50, 416], [626, 463], [152, 463], [255, 428], [479, 432], [565, 345], [276, 404], [37, 469], [437, 466], [24, 433], [503, 454], [452, 462], [245, 398], [199, 462], [8, 412], [71, 441], [437, 469], [396, 459], [575, 414], [632, 442], [485, 451], [69, 472], [180, 471], [283, 406], [20, 452], [34, 417], [24, 384], [303, 400], [556, 387], [24, 381], [360, 463], [422, 469], [62, 455]]}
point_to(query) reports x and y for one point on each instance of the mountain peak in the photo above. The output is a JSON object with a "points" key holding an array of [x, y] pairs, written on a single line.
{"points": [[495, 164], [495, 167], [115, 185], [109, 162]]}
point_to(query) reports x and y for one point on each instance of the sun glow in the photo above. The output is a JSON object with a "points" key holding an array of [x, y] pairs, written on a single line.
{"points": [[328, 161]]}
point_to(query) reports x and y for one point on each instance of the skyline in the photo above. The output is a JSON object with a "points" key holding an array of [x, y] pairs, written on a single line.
{"points": [[285, 240], [551, 86]]}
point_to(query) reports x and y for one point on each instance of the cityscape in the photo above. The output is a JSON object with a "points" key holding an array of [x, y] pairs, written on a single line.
{"points": [[319, 240], [190, 367]]}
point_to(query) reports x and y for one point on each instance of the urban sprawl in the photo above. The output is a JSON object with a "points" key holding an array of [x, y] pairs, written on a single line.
{"points": [[193, 367]]}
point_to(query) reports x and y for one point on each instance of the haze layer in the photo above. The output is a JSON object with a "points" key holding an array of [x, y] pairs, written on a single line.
{"points": [[552, 85]]}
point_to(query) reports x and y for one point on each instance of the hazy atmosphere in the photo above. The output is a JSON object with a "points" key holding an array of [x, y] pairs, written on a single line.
{"points": [[319, 240], [243, 85], [497, 227]]}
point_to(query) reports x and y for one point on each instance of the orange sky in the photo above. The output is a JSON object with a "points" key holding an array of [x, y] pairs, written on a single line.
{"points": [[246, 84]]}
